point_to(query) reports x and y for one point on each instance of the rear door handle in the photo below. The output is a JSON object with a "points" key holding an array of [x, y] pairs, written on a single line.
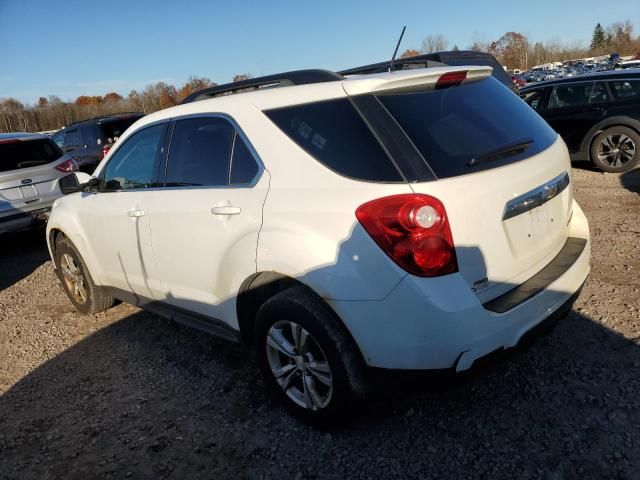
{"points": [[226, 210], [135, 213]]}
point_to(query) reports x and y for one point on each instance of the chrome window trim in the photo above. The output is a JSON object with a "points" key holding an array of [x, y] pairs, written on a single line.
{"points": [[536, 197]]}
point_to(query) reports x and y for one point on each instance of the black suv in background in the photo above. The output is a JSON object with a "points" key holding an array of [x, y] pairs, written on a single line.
{"points": [[88, 141], [597, 115], [453, 57]]}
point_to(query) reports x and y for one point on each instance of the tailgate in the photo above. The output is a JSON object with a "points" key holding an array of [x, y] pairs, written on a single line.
{"points": [[508, 222]]}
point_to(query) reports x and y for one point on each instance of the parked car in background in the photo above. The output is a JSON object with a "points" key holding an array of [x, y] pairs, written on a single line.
{"points": [[88, 141], [30, 167], [518, 80], [597, 115], [452, 58], [408, 220]]}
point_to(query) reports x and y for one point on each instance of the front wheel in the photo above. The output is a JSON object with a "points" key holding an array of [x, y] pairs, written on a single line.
{"points": [[86, 296], [309, 360], [616, 150]]}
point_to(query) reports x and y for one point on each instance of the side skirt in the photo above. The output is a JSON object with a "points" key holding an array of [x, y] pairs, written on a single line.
{"points": [[206, 324]]}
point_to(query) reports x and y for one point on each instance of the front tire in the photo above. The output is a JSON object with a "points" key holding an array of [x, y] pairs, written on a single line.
{"points": [[616, 150], [308, 359], [86, 296]]}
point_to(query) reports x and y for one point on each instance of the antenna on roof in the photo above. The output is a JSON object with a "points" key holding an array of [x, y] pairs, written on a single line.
{"points": [[395, 52]]}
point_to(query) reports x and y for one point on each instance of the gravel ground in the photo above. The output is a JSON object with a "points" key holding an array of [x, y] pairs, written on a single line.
{"points": [[124, 394]]}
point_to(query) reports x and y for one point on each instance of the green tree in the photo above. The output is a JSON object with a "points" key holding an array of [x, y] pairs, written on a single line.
{"points": [[455, 48], [598, 39]]}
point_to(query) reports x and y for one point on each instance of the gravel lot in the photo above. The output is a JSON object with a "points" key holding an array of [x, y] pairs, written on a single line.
{"points": [[127, 395]]}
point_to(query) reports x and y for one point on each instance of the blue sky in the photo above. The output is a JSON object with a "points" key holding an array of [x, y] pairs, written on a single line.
{"points": [[70, 48]]}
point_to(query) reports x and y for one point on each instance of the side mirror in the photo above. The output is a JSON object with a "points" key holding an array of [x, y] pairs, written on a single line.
{"points": [[76, 182]]}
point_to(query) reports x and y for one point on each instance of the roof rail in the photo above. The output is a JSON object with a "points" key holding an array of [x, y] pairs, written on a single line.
{"points": [[297, 77], [107, 115]]}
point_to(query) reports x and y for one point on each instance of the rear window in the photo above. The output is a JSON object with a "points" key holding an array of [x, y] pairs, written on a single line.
{"points": [[455, 127], [18, 154], [335, 135], [115, 128]]}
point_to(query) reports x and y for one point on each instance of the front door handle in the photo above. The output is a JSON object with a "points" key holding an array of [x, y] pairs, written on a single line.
{"points": [[135, 213], [226, 210]]}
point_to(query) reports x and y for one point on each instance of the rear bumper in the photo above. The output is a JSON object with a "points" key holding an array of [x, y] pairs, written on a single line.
{"points": [[440, 324], [18, 220]]}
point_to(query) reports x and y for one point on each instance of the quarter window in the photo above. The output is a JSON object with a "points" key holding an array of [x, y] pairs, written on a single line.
{"points": [[243, 166], [625, 89], [200, 152], [71, 140], [135, 164]]}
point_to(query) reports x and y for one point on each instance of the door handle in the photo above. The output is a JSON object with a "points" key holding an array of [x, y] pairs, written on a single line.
{"points": [[135, 213], [226, 210]]}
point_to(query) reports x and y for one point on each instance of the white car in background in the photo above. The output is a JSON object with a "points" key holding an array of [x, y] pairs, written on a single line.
{"points": [[30, 167], [412, 220]]}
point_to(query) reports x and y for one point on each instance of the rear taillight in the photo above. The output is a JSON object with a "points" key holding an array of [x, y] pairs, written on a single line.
{"points": [[413, 229], [105, 150], [67, 166], [451, 79]]}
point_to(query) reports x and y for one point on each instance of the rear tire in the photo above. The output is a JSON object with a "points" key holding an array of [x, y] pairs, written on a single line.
{"points": [[616, 150], [86, 296], [309, 360]]}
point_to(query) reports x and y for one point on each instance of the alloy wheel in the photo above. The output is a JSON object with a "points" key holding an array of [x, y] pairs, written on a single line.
{"points": [[73, 278], [616, 150], [299, 365]]}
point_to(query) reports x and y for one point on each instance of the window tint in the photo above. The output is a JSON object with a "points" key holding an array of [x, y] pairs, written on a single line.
{"points": [[573, 95], [17, 154], [533, 99], [200, 152], [626, 89], [89, 135], [599, 93], [59, 139], [333, 133], [135, 164], [243, 166], [71, 140], [452, 126]]}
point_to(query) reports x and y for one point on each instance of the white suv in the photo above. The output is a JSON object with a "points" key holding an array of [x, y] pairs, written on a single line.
{"points": [[412, 220]]}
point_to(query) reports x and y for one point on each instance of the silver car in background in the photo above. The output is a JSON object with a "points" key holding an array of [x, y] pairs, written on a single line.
{"points": [[30, 166]]}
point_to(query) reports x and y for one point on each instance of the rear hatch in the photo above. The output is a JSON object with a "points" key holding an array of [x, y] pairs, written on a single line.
{"points": [[501, 172], [27, 173]]}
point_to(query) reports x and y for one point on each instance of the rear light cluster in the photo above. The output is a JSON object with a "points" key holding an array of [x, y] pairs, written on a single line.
{"points": [[67, 166], [105, 150], [413, 229]]}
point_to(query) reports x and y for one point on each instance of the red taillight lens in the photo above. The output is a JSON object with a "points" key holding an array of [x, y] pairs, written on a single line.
{"points": [[413, 229], [451, 79], [68, 166], [105, 150]]}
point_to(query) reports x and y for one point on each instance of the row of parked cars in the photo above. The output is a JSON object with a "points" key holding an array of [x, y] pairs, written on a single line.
{"points": [[381, 219]]}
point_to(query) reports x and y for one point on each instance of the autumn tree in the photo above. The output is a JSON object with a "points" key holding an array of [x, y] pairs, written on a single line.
{"points": [[43, 102], [113, 97], [434, 43], [410, 52], [512, 49], [241, 76]]}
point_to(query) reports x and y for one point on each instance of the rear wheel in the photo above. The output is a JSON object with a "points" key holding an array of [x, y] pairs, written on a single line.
{"points": [[307, 357], [85, 295], [616, 150]]}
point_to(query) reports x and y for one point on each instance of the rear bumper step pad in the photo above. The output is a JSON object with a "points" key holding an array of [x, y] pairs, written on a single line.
{"points": [[559, 265]]}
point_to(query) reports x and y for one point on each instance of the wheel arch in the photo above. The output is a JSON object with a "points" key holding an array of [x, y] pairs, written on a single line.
{"points": [[616, 121]]}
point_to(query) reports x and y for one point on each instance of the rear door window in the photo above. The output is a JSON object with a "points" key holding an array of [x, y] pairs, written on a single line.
{"points": [[570, 95], [89, 135], [334, 134], [200, 153], [18, 154], [458, 130], [533, 98], [71, 140]]}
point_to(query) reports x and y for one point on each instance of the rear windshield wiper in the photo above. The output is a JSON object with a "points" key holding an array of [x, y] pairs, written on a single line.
{"points": [[504, 151]]}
